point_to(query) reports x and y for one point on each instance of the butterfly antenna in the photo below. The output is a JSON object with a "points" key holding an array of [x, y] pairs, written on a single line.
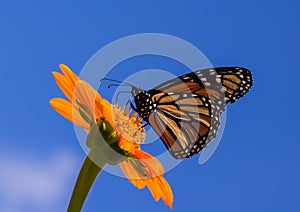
{"points": [[118, 81], [117, 85], [108, 79]]}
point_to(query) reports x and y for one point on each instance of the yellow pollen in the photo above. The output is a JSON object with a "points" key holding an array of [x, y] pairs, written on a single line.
{"points": [[129, 127]]}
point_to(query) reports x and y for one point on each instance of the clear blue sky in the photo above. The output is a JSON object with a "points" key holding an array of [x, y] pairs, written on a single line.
{"points": [[256, 166]]}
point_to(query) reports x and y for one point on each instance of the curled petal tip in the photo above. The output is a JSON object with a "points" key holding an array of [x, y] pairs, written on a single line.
{"points": [[62, 65]]}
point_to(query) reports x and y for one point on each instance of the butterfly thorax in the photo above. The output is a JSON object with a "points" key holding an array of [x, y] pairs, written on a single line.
{"points": [[144, 104]]}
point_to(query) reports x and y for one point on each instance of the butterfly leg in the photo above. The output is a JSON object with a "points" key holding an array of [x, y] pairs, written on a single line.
{"points": [[131, 105], [144, 125], [128, 102]]}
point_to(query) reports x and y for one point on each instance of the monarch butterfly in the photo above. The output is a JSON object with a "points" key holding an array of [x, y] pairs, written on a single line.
{"points": [[185, 111]]}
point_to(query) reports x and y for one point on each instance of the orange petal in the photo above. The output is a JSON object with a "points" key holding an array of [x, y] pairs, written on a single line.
{"points": [[71, 85], [167, 194], [127, 145], [159, 188], [70, 76], [158, 185], [64, 85], [153, 188], [131, 174], [154, 167], [105, 109], [86, 95], [74, 88], [65, 109]]}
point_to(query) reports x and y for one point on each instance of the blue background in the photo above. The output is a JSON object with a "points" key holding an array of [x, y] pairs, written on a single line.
{"points": [[256, 166]]}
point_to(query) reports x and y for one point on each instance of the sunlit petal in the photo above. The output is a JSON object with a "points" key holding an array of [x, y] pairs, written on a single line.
{"points": [[70, 76], [85, 94], [64, 108], [64, 85]]}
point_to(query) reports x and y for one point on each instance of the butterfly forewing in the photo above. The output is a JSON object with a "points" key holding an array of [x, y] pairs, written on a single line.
{"points": [[236, 82], [185, 111]]}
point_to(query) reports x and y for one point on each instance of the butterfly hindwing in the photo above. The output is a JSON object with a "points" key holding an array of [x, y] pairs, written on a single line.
{"points": [[185, 123]]}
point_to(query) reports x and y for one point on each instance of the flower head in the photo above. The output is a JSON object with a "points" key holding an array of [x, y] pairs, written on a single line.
{"points": [[122, 133]]}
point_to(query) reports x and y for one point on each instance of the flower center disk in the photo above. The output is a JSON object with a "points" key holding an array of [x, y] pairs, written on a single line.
{"points": [[128, 127]]}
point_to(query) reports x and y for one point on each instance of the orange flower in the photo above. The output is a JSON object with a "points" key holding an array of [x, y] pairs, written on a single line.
{"points": [[139, 167]]}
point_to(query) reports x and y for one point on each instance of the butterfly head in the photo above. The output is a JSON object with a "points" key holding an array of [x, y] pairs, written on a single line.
{"points": [[135, 91]]}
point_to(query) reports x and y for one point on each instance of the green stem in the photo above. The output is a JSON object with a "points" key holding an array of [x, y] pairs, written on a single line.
{"points": [[84, 182]]}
